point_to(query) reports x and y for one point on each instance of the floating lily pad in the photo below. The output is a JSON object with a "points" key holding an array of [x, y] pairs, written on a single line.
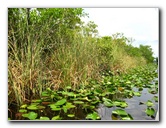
{"points": [[149, 103], [123, 104], [30, 115], [155, 98], [24, 106], [60, 102], [93, 116], [44, 118], [70, 115], [137, 93], [120, 112], [45, 94], [150, 111], [23, 110], [32, 107], [128, 117], [56, 118]]}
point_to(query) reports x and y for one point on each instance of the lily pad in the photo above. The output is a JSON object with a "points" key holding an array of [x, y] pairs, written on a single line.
{"points": [[78, 102], [23, 110], [120, 112], [155, 98], [137, 93], [70, 115], [24, 106], [45, 94], [30, 115], [128, 117], [32, 107], [93, 116], [149, 103], [44, 118], [150, 111], [60, 102], [56, 118]]}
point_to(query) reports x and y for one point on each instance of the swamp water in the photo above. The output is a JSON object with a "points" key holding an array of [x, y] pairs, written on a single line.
{"points": [[135, 109]]}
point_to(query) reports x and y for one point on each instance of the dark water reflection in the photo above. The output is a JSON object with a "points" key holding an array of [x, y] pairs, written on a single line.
{"points": [[134, 108]]}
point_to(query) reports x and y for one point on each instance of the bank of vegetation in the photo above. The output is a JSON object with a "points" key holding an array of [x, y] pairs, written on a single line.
{"points": [[52, 48]]}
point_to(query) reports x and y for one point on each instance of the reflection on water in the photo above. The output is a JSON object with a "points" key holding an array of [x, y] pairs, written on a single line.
{"points": [[136, 110]]}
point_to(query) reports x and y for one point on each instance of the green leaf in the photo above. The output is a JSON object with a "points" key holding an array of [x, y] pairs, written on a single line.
{"points": [[32, 107], [117, 103], [56, 118], [22, 110], [24, 106], [41, 107], [60, 102], [123, 104], [137, 93], [155, 98], [128, 82], [44, 118], [70, 115], [149, 103], [45, 94], [30, 115], [120, 112], [93, 116], [108, 103], [150, 111], [69, 105], [128, 117]]}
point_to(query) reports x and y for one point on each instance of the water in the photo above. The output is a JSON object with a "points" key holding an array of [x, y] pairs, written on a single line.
{"points": [[134, 108]]}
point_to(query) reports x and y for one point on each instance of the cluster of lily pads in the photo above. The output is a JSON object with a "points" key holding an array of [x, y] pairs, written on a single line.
{"points": [[82, 103]]}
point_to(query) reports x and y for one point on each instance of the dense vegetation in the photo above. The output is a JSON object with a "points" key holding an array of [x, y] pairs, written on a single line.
{"points": [[53, 50]]}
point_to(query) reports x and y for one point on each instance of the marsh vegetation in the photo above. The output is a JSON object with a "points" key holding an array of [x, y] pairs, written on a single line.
{"points": [[60, 69]]}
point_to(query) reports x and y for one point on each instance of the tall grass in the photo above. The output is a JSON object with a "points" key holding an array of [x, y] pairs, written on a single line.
{"points": [[38, 61], [32, 69]]}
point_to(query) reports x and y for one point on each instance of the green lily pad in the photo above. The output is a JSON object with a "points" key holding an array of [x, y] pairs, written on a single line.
{"points": [[117, 103], [44, 118], [24, 106], [155, 98], [30, 115], [22, 110], [60, 102], [137, 93], [108, 103], [32, 107], [150, 111], [45, 94], [128, 82], [56, 118], [69, 105], [41, 107], [69, 93], [120, 112], [123, 104], [70, 115], [93, 116], [128, 117], [149, 103], [55, 108], [152, 91]]}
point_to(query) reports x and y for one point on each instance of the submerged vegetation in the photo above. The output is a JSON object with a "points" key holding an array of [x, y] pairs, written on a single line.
{"points": [[60, 69]]}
